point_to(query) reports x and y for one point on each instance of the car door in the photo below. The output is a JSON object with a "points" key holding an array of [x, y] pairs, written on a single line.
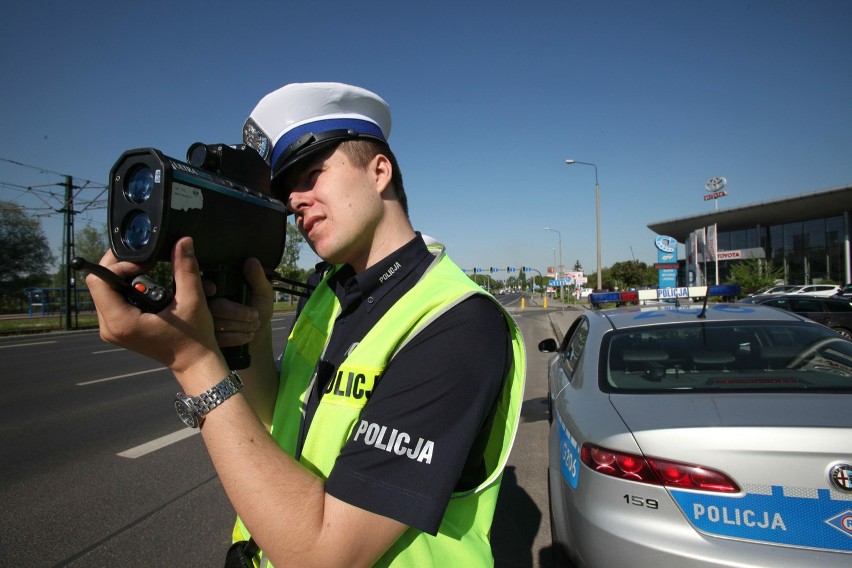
{"points": [[812, 309]]}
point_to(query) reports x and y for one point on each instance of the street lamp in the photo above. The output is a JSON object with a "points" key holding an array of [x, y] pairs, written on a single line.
{"points": [[559, 268], [560, 245], [597, 212]]}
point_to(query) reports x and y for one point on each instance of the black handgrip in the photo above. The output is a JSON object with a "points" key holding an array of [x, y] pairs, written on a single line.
{"points": [[237, 357], [231, 284]]}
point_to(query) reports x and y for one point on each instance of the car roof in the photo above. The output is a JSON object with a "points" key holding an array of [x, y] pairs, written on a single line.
{"points": [[642, 316]]}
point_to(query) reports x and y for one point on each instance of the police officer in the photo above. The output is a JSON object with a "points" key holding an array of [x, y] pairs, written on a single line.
{"points": [[383, 439]]}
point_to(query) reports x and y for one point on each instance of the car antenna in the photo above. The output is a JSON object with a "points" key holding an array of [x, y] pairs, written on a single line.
{"points": [[703, 313]]}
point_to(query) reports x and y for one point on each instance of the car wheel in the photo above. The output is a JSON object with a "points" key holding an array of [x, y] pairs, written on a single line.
{"points": [[844, 332]]}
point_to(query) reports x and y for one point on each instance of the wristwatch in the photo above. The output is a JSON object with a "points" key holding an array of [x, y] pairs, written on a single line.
{"points": [[192, 409]]}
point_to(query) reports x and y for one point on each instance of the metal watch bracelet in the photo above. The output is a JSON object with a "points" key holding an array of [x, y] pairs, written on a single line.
{"points": [[191, 410], [219, 393]]}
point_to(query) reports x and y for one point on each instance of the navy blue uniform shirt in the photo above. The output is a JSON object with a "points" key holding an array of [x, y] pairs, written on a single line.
{"points": [[440, 390]]}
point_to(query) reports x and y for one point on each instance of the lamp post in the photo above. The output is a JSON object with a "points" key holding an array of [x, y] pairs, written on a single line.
{"points": [[559, 268], [597, 212]]}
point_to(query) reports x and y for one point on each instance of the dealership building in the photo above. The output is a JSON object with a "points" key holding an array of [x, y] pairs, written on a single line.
{"points": [[808, 236]]}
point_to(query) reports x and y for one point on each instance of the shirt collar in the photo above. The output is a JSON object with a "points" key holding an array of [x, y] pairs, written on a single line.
{"points": [[373, 284]]}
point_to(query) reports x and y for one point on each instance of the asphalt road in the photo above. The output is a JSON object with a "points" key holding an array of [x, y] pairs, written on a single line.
{"points": [[520, 535], [98, 470]]}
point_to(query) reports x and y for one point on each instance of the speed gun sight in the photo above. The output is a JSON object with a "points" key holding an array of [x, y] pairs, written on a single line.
{"points": [[220, 197]]}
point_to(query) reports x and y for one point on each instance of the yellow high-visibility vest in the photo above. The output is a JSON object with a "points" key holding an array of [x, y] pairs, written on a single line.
{"points": [[463, 538]]}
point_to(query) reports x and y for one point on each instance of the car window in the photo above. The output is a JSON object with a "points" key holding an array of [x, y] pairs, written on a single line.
{"points": [[713, 357], [806, 305], [566, 341], [838, 306], [778, 303], [573, 345]]}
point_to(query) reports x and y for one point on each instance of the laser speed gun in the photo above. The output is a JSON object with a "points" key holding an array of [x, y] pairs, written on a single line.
{"points": [[220, 197]]}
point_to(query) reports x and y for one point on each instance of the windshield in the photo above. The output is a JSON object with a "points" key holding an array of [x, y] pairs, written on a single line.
{"points": [[778, 356]]}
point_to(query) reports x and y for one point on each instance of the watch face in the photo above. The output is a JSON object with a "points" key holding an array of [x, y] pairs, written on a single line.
{"points": [[185, 413]]}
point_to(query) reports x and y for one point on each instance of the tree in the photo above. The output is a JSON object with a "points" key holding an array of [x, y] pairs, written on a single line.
{"points": [[91, 243], [631, 273], [24, 252], [292, 247], [754, 274], [592, 280]]}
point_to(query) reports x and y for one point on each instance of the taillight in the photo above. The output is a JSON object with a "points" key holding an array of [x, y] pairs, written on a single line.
{"points": [[655, 471]]}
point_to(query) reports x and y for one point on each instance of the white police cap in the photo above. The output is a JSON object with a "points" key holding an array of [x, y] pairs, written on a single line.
{"points": [[300, 118]]}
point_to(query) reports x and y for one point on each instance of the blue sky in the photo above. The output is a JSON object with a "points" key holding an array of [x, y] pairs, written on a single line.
{"points": [[488, 99]]}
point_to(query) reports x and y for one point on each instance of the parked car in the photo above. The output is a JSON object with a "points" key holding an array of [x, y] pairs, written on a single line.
{"points": [[778, 289], [816, 290], [833, 312], [686, 436]]}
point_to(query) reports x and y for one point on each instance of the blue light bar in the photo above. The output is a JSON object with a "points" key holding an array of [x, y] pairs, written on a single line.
{"points": [[725, 290]]}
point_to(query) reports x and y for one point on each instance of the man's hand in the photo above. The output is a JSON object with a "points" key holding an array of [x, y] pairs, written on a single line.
{"points": [[237, 324], [180, 336]]}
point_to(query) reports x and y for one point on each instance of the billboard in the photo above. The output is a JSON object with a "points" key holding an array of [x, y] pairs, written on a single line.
{"points": [[666, 254]]}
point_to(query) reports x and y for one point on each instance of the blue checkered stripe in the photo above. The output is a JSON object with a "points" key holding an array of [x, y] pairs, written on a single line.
{"points": [[811, 518]]}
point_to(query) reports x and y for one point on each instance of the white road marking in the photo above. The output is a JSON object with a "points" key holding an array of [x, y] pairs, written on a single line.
{"points": [[26, 344], [121, 376], [159, 443]]}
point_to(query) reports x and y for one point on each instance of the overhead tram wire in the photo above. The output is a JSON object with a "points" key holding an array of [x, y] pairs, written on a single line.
{"points": [[87, 183], [38, 169], [55, 201], [61, 203]]}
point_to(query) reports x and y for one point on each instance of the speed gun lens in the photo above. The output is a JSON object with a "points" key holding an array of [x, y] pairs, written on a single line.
{"points": [[136, 232], [140, 184]]}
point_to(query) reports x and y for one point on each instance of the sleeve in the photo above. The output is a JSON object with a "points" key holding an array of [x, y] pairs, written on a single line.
{"points": [[432, 410]]}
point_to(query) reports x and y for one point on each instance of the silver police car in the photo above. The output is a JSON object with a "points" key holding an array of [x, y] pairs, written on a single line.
{"points": [[700, 435]]}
